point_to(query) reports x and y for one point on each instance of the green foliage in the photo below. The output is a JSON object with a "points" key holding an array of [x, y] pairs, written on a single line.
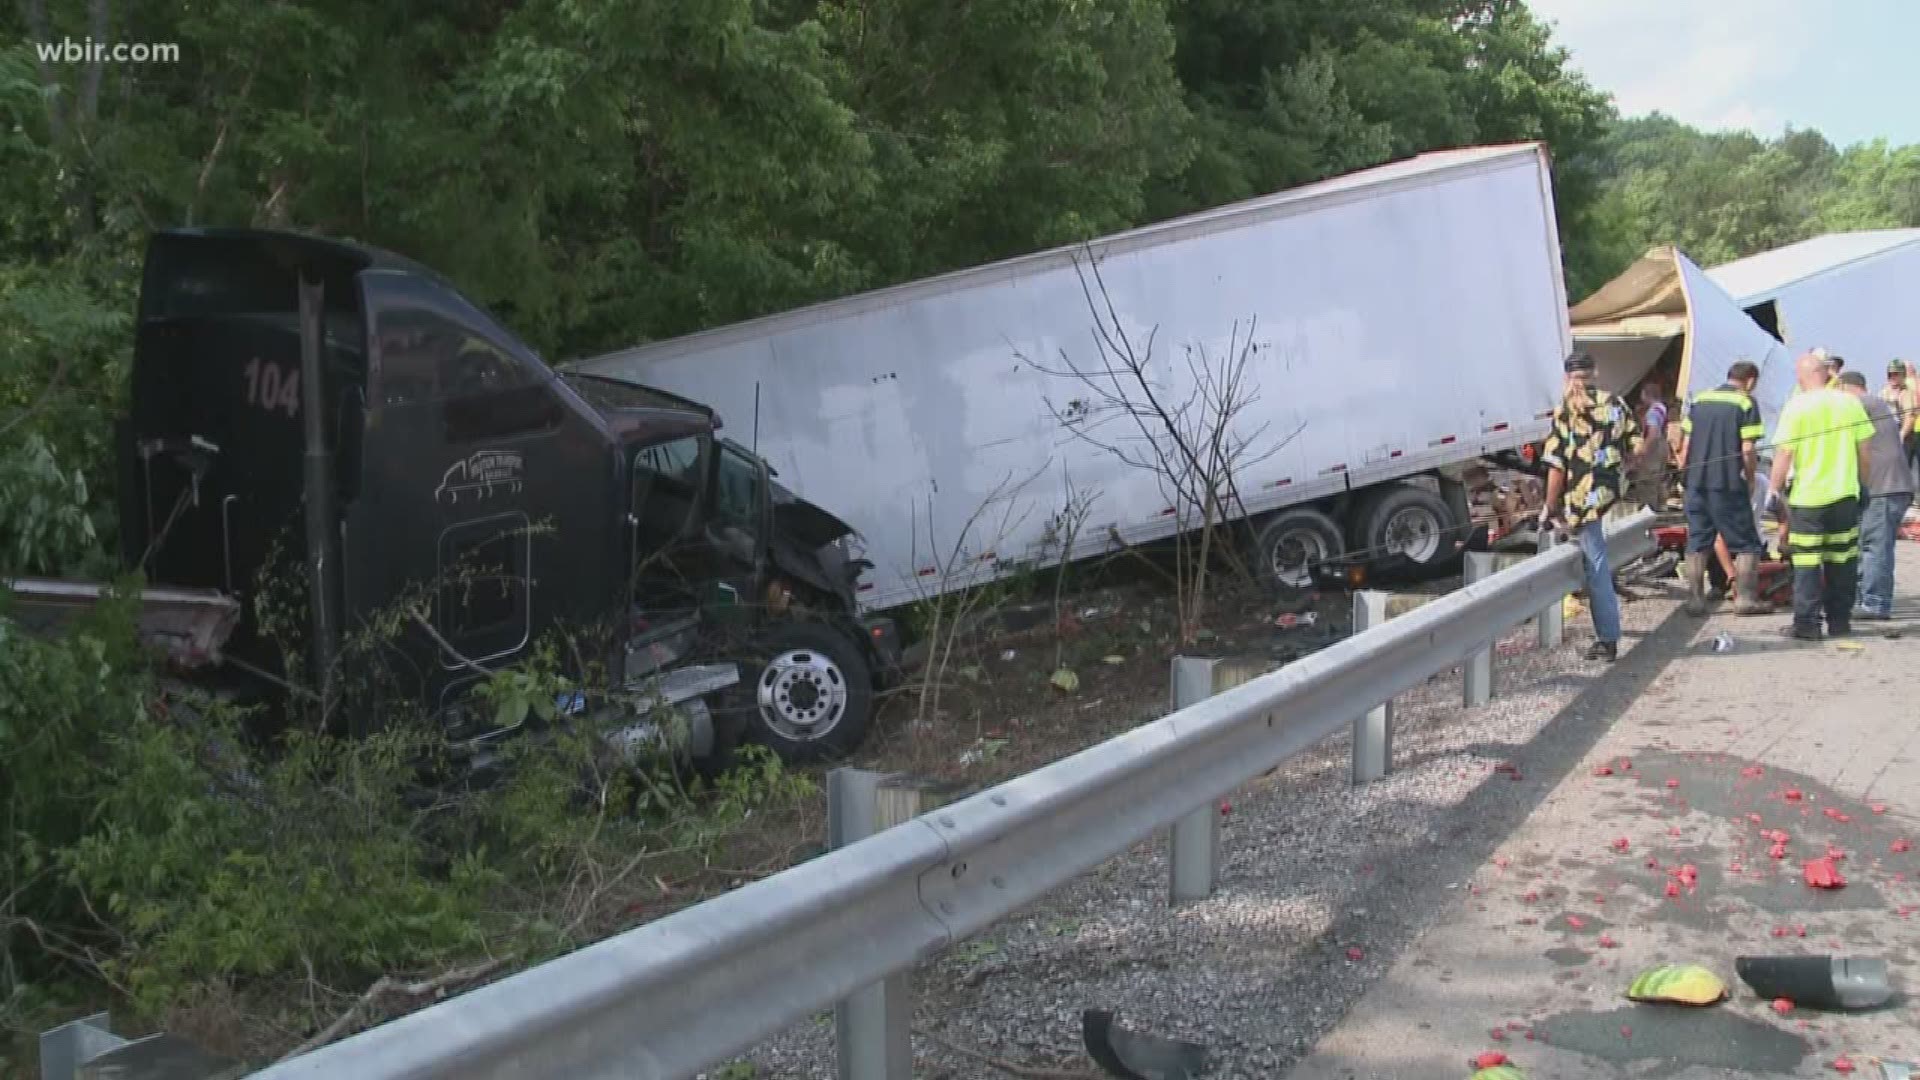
{"points": [[44, 521], [156, 844], [1719, 196]]}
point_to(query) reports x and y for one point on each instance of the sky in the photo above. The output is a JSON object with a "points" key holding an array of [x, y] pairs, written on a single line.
{"points": [[1848, 68]]}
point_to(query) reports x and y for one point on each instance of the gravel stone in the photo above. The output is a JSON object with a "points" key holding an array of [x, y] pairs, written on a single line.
{"points": [[1311, 867]]}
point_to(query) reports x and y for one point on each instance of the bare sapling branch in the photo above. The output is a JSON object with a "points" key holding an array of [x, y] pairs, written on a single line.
{"points": [[1194, 432], [950, 596]]}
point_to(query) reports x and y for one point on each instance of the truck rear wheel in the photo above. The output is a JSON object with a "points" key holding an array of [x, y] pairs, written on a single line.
{"points": [[1408, 529], [812, 693], [1291, 543]]}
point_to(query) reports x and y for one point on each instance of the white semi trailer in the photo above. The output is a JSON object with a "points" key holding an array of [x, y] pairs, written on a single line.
{"points": [[1408, 321]]}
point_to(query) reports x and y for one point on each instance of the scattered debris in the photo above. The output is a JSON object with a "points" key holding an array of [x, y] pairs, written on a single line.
{"points": [[983, 749], [1135, 1056], [1678, 984], [1818, 982], [1821, 873]]}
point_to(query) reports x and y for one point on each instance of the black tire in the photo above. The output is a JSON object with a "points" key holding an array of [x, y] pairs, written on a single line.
{"points": [[1411, 531], [1288, 541], [729, 735], [809, 693]]}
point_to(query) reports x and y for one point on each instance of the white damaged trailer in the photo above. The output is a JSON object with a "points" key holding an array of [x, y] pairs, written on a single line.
{"points": [[1408, 320]]}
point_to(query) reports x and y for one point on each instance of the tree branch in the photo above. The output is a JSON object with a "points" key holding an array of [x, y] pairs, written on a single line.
{"points": [[219, 143], [387, 984], [35, 13]]}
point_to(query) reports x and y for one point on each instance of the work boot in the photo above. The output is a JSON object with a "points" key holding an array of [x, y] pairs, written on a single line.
{"points": [[1746, 583], [1697, 584]]}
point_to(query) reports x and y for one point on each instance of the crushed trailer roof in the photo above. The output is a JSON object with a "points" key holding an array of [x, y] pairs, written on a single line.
{"points": [[1758, 277]]}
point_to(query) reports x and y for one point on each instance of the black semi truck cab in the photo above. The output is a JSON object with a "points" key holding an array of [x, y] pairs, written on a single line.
{"points": [[336, 438]]}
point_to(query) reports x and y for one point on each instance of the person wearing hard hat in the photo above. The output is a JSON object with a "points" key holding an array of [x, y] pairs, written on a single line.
{"points": [[1822, 439], [1903, 396], [1594, 435]]}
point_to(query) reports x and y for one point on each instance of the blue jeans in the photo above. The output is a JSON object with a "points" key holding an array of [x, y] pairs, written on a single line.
{"points": [[1601, 599], [1879, 532]]}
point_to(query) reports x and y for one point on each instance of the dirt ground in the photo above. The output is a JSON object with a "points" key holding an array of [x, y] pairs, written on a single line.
{"points": [[999, 713]]}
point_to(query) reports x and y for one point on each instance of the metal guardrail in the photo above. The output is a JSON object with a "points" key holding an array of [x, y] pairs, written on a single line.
{"points": [[677, 995]]}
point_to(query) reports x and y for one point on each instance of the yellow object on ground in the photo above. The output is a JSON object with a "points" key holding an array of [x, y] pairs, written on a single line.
{"points": [[1500, 1072], [1678, 984]]}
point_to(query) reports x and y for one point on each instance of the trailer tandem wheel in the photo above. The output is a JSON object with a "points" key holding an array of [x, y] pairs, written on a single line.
{"points": [[1291, 543]]}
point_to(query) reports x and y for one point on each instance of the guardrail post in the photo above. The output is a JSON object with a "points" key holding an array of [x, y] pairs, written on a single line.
{"points": [[873, 1032], [1552, 622], [1478, 668], [1193, 843], [87, 1049], [1373, 729]]}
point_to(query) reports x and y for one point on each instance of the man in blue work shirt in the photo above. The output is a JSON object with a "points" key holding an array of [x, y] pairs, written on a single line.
{"points": [[1719, 446]]}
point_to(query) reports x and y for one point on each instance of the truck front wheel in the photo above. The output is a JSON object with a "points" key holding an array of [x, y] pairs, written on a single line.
{"points": [[812, 693]]}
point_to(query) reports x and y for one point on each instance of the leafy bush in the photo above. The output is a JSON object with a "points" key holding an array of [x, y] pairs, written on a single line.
{"points": [[45, 527], [158, 848]]}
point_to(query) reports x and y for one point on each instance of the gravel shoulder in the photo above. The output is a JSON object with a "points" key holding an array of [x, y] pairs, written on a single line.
{"points": [[1315, 874]]}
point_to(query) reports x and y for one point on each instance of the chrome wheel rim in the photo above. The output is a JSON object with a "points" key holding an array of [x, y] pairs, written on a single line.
{"points": [[1294, 554], [802, 695], [1413, 533]]}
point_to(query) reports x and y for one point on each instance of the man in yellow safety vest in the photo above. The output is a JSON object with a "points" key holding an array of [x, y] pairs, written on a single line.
{"points": [[1821, 439]]}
